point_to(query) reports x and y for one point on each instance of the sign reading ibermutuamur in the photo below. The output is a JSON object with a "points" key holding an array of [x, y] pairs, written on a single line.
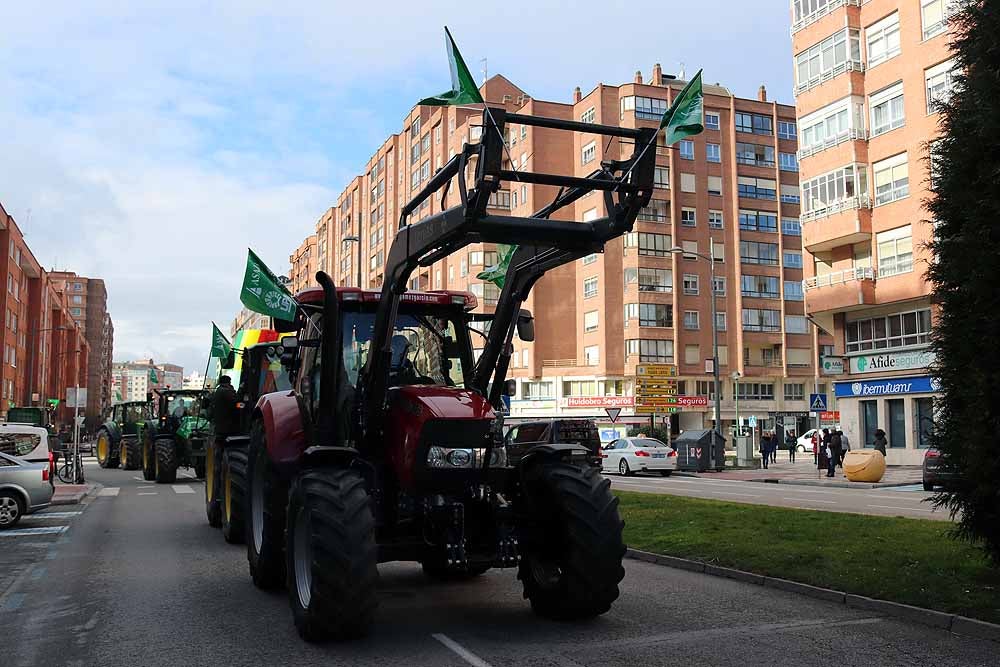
{"points": [[921, 384]]}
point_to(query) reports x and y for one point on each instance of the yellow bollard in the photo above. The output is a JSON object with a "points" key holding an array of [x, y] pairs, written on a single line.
{"points": [[864, 465]]}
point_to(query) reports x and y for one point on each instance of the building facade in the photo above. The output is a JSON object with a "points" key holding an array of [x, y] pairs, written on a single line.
{"points": [[133, 380], [733, 190], [247, 319], [303, 264], [867, 76]]}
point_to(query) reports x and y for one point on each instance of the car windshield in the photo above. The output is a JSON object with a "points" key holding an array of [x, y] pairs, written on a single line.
{"points": [[183, 406], [19, 444], [647, 443]]}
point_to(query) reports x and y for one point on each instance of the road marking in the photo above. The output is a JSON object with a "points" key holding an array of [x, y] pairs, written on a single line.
{"points": [[111, 491], [150, 486], [52, 515], [140, 479], [811, 500], [19, 532], [147, 493], [13, 602], [461, 651], [38, 572], [905, 509], [182, 488], [897, 498]]}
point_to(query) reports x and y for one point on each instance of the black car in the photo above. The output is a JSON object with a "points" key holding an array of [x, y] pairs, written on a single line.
{"points": [[933, 473], [522, 437]]}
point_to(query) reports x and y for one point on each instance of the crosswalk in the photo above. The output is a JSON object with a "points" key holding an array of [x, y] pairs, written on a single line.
{"points": [[151, 490], [46, 522]]}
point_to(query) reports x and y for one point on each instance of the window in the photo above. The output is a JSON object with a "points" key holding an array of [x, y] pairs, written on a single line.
{"points": [[591, 355], [588, 116], [715, 185], [892, 180], [77, 298], [791, 227], [713, 152], [869, 421], [711, 120], [588, 153], [687, 183], [889, 331], [796, 324], [657, 211], [897, 423], [832, 125], [883, 39], [840, 52], [692, 320], [463, 268], [76, 312], [795, 392], [692, 354], [790, 194], [940, 83], [895, 251], [757, 188], [589, 259], [649, 108], [706, 388], [934, 15], [524, 135], [788, 162], [720, 321], [590, 287], [649, 245], [690, 249], [690, 284], [661, 177], [793, 290], [536, 390], [758, 221], [763, 287], [688, 217], [590, 321], [687, 149], [753, 123], [923, 420], [650, 280], [650, 314], [754, 154], [579, 388], [756, 252], [786, 129], [887, 112], [715, 219], [77, 287], [718, 251], [760, 319], [719, 286], [754, 391], [650, 351], [829, 192]]}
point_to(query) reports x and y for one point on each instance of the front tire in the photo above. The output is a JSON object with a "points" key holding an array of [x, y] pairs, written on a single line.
{"points": [[234, 495], [104, 447], [267, 497], [623, 468], [213, 470], [572, 555], [166, 461], [332, 564], [148, 459], [11, 509], [131, 456]]}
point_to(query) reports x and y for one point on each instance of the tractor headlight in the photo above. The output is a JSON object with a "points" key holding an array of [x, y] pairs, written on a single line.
{"points": [[461, 457]]}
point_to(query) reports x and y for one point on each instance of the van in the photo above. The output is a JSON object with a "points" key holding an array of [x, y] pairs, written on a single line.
{"points": [[30, 443]]}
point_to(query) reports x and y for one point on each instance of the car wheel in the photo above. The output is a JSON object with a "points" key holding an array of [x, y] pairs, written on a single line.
{"points": [[11, 509], [800, 449], [623, 468], [665, 473], [928, 486]]}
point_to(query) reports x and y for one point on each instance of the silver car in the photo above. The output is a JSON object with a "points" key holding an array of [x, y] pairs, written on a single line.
{"points": [[631, 455], [24, 488]]}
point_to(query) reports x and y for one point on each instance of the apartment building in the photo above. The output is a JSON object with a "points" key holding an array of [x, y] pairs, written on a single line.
{"points": [[303, 264], [247, 319], [867, 76], [132, 380], [733, 190]]}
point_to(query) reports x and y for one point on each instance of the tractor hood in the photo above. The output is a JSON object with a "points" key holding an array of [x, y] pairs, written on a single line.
{"points": [[444, 402]]}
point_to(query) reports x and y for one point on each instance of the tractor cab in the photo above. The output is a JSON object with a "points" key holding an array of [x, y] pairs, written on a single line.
{"points": [[180, 411]]}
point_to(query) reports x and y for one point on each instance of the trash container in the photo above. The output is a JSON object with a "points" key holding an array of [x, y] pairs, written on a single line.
{"points": [[695, 453], [864, 465]]}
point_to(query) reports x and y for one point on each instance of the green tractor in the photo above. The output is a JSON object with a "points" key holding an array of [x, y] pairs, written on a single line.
{"points": [[176, 438], [119, 437]]}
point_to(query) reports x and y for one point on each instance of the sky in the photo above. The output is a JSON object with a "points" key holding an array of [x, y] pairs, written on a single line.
{"points": [[150, 143]]}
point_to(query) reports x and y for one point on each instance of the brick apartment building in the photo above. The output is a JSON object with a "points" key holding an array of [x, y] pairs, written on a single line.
{"points": [[735, 186], [88, 301], [130, 380], [45, 349], [867, 76], [303, 264]]}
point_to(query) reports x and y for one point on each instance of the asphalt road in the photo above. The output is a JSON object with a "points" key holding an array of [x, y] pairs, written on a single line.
{"points": [[139, 578], [908, 501]]}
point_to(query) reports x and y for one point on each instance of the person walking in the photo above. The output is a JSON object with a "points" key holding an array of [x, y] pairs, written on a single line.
{"points": [[791, 444], [817, 440], [880, 441], [845, 446], [775, 445], [824, 447], [765, 449], [835, 449]]}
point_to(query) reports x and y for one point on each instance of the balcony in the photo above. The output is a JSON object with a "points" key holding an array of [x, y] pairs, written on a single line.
{"points": [[839, 223], [851, 134], [830, 75], [849, 289], [809, 19]]}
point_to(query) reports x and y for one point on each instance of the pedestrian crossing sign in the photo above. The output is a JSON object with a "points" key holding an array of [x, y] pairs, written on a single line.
{"points": [[817, 402]]}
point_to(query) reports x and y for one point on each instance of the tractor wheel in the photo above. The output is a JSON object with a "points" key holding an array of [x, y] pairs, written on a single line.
{"points": [[200, 466], [103, 448], [131, 457], [166, 461], [213, 470], [234, 495], [267, 497], [148, 459], [332, 556], [572, 555]]}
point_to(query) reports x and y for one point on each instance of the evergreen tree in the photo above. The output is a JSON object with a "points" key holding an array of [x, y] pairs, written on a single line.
{"points": [[965, 272]]}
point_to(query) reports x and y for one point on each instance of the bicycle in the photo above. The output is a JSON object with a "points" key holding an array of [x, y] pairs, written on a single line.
{"points": [[71, 472]]}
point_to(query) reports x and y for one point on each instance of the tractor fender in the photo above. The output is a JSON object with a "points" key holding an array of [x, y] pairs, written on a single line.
{"points": [[551, 452], [319, 456], [284, 429], [114, 433]]}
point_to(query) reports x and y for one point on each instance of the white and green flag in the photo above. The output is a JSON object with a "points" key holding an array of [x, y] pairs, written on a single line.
{"points": [[221, 347], [463, 87], [263, 293], [497, 274], [684, 118]]}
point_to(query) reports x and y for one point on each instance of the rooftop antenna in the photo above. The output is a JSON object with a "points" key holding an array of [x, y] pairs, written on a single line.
{"points": [[485, 77], [680, 73]]}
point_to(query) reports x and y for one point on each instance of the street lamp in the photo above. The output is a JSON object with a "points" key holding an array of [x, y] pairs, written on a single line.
{"points": [[715, 340], [355, 239], [736, 375]]}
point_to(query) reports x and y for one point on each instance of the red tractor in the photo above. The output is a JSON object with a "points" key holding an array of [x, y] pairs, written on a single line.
{"points": [[389, 447]]}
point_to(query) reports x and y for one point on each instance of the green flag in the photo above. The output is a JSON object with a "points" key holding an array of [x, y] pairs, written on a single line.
{"points": [[118, 396], [497, 273], [263, 293], [220, 345], [152, 376], [463, 87], [684, 117]]}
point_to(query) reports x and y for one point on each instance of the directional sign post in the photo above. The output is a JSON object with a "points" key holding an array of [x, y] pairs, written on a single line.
{"points": [[655, 389], [817, 402]]}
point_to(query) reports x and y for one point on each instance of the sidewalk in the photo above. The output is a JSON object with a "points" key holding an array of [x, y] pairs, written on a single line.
{"points": [[72, 494], [804, 473]]}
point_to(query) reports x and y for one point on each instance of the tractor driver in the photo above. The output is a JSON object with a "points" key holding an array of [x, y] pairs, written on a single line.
{"points": [[401, 368]]}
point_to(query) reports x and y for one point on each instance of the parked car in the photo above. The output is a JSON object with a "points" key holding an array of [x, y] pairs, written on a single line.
{"points": [[628, 456], [805, 442], [933, 475], [24, 488], [522, 437]]}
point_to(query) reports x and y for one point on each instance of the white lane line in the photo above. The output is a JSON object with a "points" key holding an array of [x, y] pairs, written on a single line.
{"points": [[811, 500], [461, 651], [138, 479], [182, 488], [52, 515], [905, 509], [109, 491], [150, 486], [897, 498], [21, 532], [146, 493]]}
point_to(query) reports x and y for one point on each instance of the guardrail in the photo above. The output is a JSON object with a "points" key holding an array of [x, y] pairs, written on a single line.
{"points": [[859, 202], [820, 13], [839, 277]]}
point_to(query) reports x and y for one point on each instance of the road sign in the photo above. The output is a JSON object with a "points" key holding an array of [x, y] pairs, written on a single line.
{"points": [[659, 370], [654, 409], [817, 402], [752, 421], [76, 401], [613, 413]]}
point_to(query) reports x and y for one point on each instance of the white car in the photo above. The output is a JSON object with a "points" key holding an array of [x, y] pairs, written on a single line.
{"points": [[627, 456], [24, 441], [805, 442]]}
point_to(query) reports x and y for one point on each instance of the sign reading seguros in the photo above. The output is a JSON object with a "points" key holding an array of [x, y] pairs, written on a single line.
{"points": [[891, 361]]}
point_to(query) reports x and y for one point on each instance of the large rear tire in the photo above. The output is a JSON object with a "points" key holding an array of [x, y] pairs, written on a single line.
{"points": [[213, 486], [148, 458], [104, 447], [234, 495], [166, 461], [332, 564], [572, 555], [131, 454], [266, 500]]}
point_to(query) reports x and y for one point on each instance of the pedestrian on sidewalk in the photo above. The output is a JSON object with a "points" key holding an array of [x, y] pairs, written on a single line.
{"points": [[775, 445], [791, 444], [817, 440], [880, 441], [765, 449], [835, 449], [845, 446], [824, 447]]}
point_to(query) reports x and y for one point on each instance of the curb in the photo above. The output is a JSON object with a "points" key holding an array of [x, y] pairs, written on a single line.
{"points": [[954, 623], [75, 498], [842, 485]]}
